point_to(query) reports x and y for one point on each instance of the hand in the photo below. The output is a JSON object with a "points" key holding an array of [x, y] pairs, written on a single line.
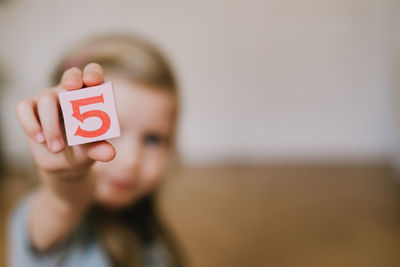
{"points": [[40, 118]]}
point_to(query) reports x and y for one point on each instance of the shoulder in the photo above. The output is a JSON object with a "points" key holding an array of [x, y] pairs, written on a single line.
{"points": [[156, 254]]}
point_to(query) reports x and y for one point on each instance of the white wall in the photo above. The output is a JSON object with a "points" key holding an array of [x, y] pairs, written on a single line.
{"points": [[396, 87], [273, 80]]}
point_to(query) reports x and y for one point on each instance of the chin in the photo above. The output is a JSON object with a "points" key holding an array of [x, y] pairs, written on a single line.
{"points": [[114, 200]]}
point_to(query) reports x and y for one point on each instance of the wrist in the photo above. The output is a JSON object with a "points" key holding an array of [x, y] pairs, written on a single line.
{"points": [[69, 202], [70, 192], [77, 174]]}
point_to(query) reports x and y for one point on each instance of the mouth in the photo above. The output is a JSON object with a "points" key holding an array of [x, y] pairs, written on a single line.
{"points": [[121, 184]]}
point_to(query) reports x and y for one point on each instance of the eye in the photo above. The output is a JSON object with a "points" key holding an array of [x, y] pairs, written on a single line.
{"points": [[153, 139]]}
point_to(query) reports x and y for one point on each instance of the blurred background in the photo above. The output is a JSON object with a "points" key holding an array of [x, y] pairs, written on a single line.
{"points": [[289, 132]]}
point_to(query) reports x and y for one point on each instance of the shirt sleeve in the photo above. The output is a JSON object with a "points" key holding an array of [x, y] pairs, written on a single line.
{"points": [[81, 247], [21, 251]]}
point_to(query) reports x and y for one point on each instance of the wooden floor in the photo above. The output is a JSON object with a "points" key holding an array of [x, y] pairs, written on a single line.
{"points": [[281, 217]]}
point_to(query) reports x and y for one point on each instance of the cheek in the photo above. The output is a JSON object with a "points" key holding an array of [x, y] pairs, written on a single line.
{"points": [[154, 163]]}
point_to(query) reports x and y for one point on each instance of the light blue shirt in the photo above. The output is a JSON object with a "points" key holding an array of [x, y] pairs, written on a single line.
{"points": [[81, 249]]}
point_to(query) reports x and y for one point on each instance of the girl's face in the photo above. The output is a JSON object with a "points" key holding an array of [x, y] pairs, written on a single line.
{"points": [[147, 120]]}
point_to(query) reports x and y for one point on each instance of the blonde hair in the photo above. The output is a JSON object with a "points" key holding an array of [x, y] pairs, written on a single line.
{"points": [[135, 57], [141, 62]]}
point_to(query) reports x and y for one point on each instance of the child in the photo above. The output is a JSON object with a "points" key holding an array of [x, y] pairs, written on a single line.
{"points": [[94, 204]]}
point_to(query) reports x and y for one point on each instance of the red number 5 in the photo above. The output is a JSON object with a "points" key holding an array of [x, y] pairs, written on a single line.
{"points": [[105, 119]]}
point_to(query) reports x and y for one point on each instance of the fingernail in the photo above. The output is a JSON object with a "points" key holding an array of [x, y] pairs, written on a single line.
{"points": [[56, 145], [39, 137]]}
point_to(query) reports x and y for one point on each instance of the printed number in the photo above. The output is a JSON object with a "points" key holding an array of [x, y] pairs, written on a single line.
{"points": [[105, 119]]}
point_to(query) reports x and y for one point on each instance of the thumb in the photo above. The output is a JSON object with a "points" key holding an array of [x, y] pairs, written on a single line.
{"points": [[101, 151]]}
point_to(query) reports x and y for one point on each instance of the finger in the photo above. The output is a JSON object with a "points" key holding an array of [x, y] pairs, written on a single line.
{"points": [[93, 74], [72, 79], [26, 114], [101, 151], [47, 106]]}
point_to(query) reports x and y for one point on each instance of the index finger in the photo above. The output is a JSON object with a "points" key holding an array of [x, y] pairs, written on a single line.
{"points": [[72, 79]]}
